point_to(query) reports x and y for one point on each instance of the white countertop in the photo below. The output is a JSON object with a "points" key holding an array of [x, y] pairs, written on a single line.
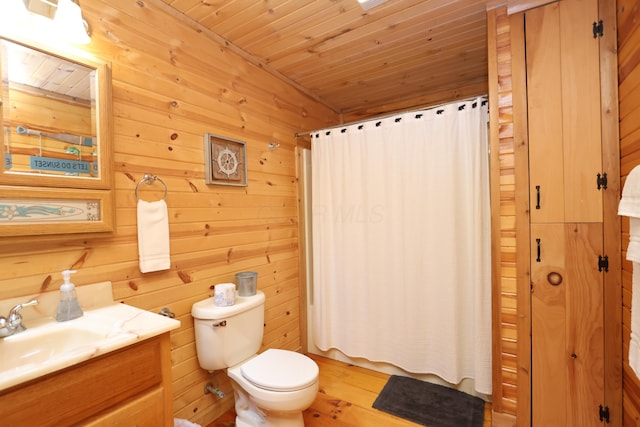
{"points": [[47, 345]]}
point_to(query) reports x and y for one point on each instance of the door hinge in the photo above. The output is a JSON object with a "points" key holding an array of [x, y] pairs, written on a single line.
{"points": [[601, 181], [598, 29], [603, 263], [604, 413]]}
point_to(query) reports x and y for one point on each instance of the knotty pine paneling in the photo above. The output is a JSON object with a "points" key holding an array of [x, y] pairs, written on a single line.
{"points": [[629, 96], [397, 51], [172, 84]]}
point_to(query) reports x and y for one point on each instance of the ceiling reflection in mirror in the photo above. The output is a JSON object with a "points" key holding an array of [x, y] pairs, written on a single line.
{"points": [[48, 114]]}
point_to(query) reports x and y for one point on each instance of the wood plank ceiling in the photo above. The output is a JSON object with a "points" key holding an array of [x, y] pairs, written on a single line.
{"points": [[356, 60]]}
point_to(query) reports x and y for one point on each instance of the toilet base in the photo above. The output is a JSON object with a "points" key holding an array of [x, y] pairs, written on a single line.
{"points": [[248, 414]]}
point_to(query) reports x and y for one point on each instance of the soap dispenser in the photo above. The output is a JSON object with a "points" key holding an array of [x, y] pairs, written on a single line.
{"points": [[68, 308]]}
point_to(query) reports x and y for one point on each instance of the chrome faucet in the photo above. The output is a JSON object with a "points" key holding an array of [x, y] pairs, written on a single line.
{"points": [[12, 324]]}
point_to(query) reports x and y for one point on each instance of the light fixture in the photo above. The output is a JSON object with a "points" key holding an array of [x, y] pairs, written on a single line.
{"points": [[69, 24], [368, 4], [14, 7], [13, 12]]}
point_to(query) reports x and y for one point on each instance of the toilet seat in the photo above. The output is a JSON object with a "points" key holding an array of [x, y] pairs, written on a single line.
{"points": [[280, 370]]}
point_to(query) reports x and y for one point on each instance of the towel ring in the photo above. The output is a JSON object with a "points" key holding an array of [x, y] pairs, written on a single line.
{"points": [[149, 179]]}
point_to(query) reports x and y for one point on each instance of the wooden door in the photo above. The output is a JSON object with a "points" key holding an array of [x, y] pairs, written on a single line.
{"points": [[544, 99], [585, 323], [563, 92], [567, 323], [581, 116], [548, 326]]}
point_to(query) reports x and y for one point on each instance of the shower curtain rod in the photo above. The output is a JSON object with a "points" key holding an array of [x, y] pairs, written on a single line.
{"points": [[373, 119]]}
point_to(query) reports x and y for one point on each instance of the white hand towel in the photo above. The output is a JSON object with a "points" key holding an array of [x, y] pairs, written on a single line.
{"points": [[630, 206], [153, 236], [633, 250], [630, 202], [634, 344]]}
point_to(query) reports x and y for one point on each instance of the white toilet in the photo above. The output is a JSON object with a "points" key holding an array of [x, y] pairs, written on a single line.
{"points": [[271, 388]]}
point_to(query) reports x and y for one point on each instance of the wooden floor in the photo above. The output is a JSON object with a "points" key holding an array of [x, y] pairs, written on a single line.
{"points": [[345, 398]]}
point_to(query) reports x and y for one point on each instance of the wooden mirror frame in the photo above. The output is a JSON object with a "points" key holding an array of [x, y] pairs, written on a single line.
{"points": [[45, 190], [38, 197], [103, 133]]}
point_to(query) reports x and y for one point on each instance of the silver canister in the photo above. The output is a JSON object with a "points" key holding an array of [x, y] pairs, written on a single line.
{"points": [[247, 282]]}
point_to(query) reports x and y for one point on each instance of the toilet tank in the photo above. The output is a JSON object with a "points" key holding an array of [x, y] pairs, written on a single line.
{"points": [[225, 336]]}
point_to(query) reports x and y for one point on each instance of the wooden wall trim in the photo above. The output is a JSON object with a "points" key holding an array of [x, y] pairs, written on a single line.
{"points": [[517, 6], [494, 174], [611, 198], [521, 153], [506, 336]]}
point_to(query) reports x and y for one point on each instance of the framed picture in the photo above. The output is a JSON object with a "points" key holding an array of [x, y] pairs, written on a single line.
{"points": [[225, 161]]}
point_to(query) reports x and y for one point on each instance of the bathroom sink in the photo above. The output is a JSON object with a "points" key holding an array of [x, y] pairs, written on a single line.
{"points": [[24, 349], [47, 346]]}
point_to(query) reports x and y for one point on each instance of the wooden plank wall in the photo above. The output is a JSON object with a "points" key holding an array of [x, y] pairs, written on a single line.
{"points": [[628, 14], [442, 97], [505, 331], [171, 84]]}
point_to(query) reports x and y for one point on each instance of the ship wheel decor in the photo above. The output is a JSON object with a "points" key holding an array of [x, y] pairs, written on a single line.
{"points": [[225, 161]]}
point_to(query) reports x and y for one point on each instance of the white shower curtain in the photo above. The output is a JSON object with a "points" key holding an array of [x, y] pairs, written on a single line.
{"points": [[401, 242]]}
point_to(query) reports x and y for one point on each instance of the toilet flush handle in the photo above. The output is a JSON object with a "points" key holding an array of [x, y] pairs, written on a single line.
{"points": [[219, 324]]}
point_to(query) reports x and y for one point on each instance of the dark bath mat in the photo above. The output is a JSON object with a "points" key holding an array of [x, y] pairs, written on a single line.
{"points": [[429, 404]]}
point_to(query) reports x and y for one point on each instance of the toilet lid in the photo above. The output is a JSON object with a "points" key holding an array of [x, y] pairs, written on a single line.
{"points": [[280, 370]]}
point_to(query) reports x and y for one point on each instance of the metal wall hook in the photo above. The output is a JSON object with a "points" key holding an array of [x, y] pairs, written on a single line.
{"points": [[273, 145]]}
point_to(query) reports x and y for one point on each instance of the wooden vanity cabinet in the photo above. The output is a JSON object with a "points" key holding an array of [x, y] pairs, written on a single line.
{"points": [[127, 387]]}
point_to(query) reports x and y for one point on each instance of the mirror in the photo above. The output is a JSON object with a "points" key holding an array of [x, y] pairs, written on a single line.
{"points": [[55, 172], [54, 131]]}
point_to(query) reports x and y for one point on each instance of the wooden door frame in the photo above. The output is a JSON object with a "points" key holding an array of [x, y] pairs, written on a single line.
{"points": [[522, 203], [613, 344], [612, 229]]}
